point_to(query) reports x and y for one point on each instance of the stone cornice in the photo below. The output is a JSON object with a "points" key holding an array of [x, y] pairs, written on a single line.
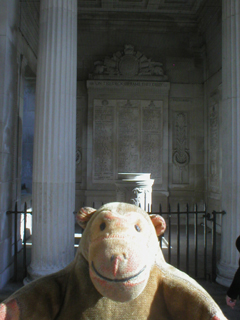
{"points": [[126, 83]]}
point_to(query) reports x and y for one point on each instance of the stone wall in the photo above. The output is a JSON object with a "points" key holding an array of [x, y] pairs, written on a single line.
{"points": [[181, 55], [191, 58], [186, 145]]}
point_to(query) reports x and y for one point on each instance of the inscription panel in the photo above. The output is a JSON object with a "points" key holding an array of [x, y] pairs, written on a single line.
{"points": [[128, 134], [103, 142], [152, 127], [127, 137]]}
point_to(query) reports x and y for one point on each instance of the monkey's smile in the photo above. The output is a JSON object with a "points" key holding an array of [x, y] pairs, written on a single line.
{"points": [[117, 280]]}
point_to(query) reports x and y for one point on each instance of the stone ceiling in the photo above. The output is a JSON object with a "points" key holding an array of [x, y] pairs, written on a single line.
{"points": [[177, 10], [157, 16], [145, 6], [172, 7]]}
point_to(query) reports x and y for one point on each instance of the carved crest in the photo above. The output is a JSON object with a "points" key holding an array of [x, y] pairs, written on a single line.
{"points": [[129, 64]]}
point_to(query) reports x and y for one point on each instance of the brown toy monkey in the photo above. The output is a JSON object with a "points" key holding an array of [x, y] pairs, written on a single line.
{"points": [[118, 273]]}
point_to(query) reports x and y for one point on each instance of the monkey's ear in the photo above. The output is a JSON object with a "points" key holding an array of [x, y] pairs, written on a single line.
{"points": [[84, 215], [159, 223]]}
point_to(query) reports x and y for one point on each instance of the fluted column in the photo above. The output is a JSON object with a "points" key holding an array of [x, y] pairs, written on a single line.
{"points": [[54, 138], [231, 140]]}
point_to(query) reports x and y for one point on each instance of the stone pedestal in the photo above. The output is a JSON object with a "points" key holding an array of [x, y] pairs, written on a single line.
{"points": [[230, 142], [135, 188], [55, 139]]}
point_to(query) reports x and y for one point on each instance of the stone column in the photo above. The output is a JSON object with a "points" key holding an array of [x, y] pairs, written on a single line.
{"points": [[135, 188], [231, 140], [54, 139]]}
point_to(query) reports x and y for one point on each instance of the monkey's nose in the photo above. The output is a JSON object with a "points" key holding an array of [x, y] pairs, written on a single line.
{"points": [[120, 257], [117, 261]]}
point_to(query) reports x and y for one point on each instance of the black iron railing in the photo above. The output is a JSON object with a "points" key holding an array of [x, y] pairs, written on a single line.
{"points": [[195, 230], [16, 212], [198, 224]]}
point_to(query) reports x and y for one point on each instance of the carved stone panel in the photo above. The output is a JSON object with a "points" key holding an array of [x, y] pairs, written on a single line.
{"points": [[180, 156], [103, 142], [152, 135], [127, 128], [128, 133], [127, 137]]}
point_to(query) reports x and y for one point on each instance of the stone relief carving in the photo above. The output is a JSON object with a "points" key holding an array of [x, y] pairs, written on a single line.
{"points": [[181, 156], [139, 197], [129, 63]]}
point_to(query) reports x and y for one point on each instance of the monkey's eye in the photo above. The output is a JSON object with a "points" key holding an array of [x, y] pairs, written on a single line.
{"points": [[102, 226], [137, 228]]}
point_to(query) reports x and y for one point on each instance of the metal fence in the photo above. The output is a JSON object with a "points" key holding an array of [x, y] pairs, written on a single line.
{"points": [[190, 241], [16, 213]]}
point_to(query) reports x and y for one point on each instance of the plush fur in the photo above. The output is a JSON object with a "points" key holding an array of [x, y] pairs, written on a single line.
{"points": [[118, 273]]}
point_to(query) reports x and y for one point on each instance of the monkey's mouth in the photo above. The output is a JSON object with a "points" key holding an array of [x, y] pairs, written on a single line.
{"points": [[117, 280]]}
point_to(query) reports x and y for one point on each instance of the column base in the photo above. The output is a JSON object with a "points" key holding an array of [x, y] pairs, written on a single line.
{"points": [[36, 274], [225, 274]]}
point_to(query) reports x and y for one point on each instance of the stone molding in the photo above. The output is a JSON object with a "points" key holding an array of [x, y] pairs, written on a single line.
{"points": [[117, 84]]}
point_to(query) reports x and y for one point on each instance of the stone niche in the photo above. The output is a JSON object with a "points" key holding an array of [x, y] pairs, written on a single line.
{"points": [[127, 123]]}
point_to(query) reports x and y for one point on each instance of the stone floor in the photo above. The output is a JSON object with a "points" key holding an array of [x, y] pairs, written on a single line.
{"points": [[217, 291]]}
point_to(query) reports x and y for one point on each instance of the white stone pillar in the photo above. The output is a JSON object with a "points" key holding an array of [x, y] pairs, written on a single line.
{"points": [[54, 139], [135, 188], [231, 140]]}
